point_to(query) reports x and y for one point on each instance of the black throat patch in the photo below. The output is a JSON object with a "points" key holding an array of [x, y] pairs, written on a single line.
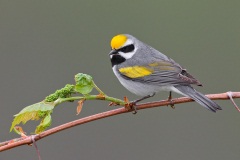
{"points": [[117, 59]]}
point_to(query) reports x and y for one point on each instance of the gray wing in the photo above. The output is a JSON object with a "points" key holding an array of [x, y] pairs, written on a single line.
{"points": [[165, 72]]}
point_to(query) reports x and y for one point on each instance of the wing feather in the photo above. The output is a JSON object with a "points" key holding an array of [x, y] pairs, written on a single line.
{"points": [[160, 73]]}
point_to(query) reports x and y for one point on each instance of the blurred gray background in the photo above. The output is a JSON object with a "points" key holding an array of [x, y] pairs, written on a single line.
{"points": [[43, 44]]}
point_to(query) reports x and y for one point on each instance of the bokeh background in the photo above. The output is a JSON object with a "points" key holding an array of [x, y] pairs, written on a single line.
{"points": [[43, 44]]}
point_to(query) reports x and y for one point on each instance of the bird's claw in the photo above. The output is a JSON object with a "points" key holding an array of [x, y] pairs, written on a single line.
{"points": [[130, 105], [171, 104], [133, 107]]}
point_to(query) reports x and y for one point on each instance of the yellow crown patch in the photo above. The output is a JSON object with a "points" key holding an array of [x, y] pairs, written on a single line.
{"points": [[118, 41]]}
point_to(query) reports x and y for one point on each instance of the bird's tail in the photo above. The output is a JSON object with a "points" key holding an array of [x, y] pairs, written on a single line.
{"points": [[198, 97]]}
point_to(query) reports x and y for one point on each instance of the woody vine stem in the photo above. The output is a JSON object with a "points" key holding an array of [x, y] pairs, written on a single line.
{"points": [[32, 138]]}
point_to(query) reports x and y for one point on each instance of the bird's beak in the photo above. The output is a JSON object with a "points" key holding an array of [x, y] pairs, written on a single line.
{"points": [[113, 52]]}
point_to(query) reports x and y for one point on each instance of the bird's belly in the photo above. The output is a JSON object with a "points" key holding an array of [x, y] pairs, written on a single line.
{"points": [[141, 89], [144, 89]]}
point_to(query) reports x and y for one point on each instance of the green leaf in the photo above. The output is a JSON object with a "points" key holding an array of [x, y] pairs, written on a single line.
{"points": [[32, 112], [45, 123], [84, 83], [83, 89]]}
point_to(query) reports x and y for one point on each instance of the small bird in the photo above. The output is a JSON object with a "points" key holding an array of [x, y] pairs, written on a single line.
{"points": [[145, 71]]}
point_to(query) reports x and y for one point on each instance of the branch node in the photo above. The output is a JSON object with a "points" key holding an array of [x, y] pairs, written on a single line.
{"points": [[229, 93]]}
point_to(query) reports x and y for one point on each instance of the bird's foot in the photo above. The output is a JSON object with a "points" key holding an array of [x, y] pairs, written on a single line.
{"points": [[130, 106], [171, 101], [133, 104]]}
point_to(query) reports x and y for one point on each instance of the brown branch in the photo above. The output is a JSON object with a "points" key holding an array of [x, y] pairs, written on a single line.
{"points": [[29, 139]]}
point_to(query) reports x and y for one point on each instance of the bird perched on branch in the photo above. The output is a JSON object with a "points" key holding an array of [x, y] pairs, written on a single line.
{"points": [[145, 71]]}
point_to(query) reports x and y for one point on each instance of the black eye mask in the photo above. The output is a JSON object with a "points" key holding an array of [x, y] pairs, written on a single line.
{"points": [[126, 49]]}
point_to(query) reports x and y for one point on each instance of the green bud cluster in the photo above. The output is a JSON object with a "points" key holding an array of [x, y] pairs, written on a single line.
{"points": [[61, 93]]}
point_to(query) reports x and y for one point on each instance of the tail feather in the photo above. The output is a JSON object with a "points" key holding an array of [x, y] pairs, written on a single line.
{"points": [[198, 97]]}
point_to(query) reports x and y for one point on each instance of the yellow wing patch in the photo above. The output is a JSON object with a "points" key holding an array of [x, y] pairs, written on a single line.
{"points": [[136, 71], [118, 41]]}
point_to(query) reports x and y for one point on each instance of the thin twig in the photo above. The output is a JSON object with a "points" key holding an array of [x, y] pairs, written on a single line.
{"points": [[28, 140], [230, 96], [36, 147]]}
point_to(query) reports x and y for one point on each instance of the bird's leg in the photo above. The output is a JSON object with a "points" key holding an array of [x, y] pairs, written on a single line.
{"points": [[143, 98], [133, 103], [170, 100]]}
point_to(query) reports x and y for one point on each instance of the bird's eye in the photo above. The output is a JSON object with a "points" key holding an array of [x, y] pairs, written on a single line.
{"points": [[127, 49]]}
